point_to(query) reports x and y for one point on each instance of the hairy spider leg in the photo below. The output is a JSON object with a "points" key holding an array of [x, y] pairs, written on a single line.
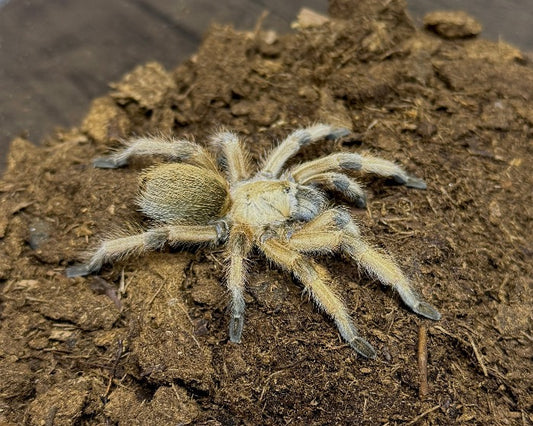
{"points": [[238, 248], [173, 149], [335, 230], [345, 161], [348, 187], [315, 278], [234, 156], [152, 239], [294, 142]]}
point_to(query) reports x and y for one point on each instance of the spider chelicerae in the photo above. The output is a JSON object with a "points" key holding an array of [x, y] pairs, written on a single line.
{"points": [[284, 213]]}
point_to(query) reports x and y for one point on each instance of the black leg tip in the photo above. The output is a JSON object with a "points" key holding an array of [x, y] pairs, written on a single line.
{"points": [[107, 163], [77, 271]]}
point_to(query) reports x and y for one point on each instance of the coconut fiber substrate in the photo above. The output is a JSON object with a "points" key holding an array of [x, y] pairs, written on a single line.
{"points": [[145, 341]]}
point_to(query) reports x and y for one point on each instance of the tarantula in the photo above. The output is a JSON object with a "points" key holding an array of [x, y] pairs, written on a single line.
{"points": [[284, 213]]}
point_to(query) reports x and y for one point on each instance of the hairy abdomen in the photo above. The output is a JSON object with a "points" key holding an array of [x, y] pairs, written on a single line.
{"points": [[182, 193]]}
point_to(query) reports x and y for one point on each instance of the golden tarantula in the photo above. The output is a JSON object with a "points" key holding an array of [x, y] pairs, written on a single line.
{"points": [[281, 212]]}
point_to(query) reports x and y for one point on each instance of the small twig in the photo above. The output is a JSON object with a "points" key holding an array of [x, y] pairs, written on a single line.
{"points": [[121, 287], [478, 356], [467, 343], [280, 370], [212, 256], [527, 336], [267, 383], [459, 339], [371, 125], [113, 371], [431, 205], [424, 414], [155, 295], [524, 419], [175, 391], [128, 282], [423, 361], [191, 333], [51, 416], [259, 23]]}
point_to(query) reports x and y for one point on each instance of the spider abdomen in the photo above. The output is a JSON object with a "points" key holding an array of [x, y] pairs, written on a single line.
{"points": [[183, 193]]}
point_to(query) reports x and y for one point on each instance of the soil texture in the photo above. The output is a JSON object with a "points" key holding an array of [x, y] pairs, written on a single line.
{"points": [[146, 340]]}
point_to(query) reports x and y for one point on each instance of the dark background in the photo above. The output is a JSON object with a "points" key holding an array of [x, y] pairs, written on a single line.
{"points": [[57, 55]]}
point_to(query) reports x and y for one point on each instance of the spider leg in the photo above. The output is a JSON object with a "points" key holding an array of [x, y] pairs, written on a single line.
{"points": [[346, 161], [152, 239], [296, 140], [173, 149], [239, 247], [234, 155], [348, 187], [315, 278], [334, 230], [382, 167]]}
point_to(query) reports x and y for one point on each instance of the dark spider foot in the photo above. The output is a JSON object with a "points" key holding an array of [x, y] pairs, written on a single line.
{"points": [[427, 310], [410, 181], [77, 271], [360, 202], [417, 183], [108, 163], [236, 324], [362, 347], [338, 133], [417, 305]]}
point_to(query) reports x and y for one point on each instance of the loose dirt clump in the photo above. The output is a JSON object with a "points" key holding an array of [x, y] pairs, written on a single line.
{"points": [[146, 342]]}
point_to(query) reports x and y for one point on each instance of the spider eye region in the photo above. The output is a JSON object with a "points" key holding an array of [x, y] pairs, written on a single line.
{"points": [[265, 202], [262, 202]]}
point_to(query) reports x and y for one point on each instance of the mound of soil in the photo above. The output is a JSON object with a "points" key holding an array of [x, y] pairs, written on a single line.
{"points": [[146, 341]]}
